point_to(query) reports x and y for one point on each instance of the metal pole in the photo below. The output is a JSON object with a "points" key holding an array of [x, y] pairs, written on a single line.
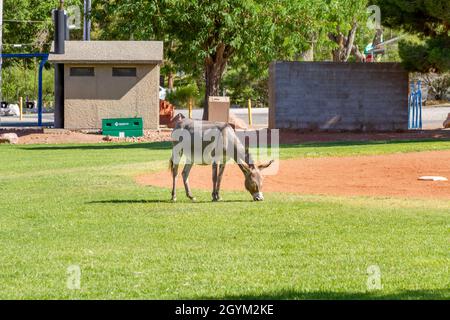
{"points": [[41, 69], [60, 35], [414, 99], [250, 119], [21, 108], [410, 105], [190, 108], [1, 48], [87, 20], [60, 30], [419, 102]]}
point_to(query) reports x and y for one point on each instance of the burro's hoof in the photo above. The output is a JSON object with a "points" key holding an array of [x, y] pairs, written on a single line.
{"points": [[216, 197], [174, 200]]}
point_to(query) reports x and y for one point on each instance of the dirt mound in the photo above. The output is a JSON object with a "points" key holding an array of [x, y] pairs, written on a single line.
{"points": [[61, 136], [386, 175]]}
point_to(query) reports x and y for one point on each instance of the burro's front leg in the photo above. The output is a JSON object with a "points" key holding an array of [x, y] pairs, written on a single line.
{"points": [[219, 180], [215, 195], [186, 171]]}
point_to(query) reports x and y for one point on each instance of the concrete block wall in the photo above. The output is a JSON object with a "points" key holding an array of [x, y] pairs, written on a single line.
{"points": [[317, 96]]}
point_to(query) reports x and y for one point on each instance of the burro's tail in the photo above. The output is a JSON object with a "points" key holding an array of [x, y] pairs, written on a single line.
{"points": [[171, 163]]}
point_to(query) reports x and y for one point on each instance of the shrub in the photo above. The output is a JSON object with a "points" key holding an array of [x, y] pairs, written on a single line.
{"points": [[181, 95]]}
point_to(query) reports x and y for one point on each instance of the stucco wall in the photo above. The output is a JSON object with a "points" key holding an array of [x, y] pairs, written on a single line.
{"points": [[318, 96], [88, 100]]}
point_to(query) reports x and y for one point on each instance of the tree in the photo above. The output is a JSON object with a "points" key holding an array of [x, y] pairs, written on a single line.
{"points": [[344, 18], [430, 19], [346, 45], [136, 20], [207, 38], [30, 22], [211, 33]]}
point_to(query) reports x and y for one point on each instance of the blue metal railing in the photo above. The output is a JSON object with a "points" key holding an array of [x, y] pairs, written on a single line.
{"points": [[415, 106], [44, 59]]}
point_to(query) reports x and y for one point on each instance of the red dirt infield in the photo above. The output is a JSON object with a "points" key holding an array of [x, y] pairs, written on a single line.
{"points": [[394, 175]]}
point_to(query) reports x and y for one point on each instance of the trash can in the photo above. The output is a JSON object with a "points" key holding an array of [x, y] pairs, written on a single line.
{"points": [[219, 109], [123, 127]]}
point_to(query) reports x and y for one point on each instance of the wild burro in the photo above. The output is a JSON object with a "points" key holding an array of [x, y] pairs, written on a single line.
{"points": [[216, 144]]}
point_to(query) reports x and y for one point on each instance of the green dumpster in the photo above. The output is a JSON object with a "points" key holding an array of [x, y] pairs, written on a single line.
{"points": [[123, 127]]}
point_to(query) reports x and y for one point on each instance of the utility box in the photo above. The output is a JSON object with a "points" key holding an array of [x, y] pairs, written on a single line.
{"points": [[219, 109], [123, 127]]}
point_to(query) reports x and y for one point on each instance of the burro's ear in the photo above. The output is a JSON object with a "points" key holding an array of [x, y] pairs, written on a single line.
{"points": [[245, 168], [265, 165]]}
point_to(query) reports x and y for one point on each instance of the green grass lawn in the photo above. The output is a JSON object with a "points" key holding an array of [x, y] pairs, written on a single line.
{"points": [[79, 205]]}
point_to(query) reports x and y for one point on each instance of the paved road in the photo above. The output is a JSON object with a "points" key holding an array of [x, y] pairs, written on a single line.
{"points": [[29, 120], [260, 116], [433, 117]]}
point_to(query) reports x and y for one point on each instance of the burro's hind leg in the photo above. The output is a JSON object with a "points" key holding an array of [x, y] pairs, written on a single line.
{"points": [[174, 171], [186, 171], [217, 173]]}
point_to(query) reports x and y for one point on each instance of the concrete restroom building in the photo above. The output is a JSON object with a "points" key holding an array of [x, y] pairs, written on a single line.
{"points": [[110, 79]]}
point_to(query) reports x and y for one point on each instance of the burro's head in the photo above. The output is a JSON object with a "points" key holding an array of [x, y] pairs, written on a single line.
{"points": [[254, 179]]}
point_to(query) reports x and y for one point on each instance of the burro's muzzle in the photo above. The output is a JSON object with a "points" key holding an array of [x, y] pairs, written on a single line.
{"points": [[258, 196]]}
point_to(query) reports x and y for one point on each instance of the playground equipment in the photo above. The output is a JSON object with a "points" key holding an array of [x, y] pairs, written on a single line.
{"points": [[378, 46], [415, 106]]}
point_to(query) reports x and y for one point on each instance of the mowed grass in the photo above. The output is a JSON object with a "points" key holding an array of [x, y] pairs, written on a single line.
{"points": [[79, 205]]}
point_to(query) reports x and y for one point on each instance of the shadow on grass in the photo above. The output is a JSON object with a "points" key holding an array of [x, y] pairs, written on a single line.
{"points": [[103, 146], [143, 201], [439, 294]]}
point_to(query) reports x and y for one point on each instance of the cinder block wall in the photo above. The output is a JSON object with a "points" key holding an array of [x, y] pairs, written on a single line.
{"points": [[318, 96], [88, 100]]}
